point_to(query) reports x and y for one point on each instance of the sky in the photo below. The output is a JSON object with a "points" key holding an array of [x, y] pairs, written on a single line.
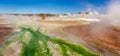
{"points": [[50, 6]]}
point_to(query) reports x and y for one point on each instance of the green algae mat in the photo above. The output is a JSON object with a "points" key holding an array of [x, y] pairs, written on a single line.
{"points": [[35, 43]]}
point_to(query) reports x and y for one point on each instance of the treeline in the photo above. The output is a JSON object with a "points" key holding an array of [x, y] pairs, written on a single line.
{"points": [[47, 15]]}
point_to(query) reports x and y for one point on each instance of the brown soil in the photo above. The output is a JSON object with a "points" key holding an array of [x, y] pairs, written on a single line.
{"points": [[5, 32], [107, 38]]}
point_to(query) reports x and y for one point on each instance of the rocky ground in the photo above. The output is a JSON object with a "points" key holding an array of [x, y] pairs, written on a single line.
{"points": [[106, 44]]}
